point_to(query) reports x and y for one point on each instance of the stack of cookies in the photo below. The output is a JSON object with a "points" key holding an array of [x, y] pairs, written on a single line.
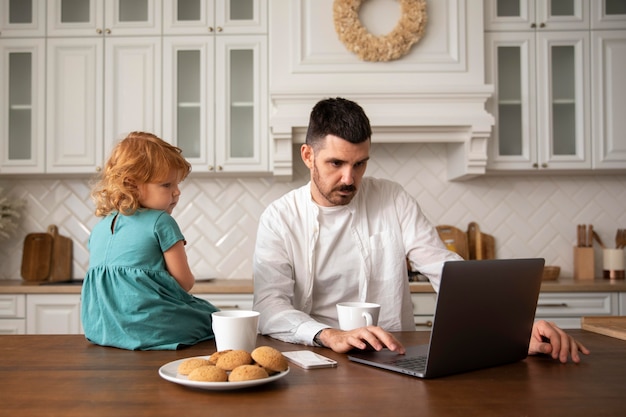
{"points": [[235, 365]]}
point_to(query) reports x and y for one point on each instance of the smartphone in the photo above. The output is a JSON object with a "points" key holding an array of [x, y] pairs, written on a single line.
{"points": [[309, 360]]}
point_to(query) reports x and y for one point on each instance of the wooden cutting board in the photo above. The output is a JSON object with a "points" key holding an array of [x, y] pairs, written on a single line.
{"points": [[61, 263], [455, 239], [614, 326], [36, 256]]}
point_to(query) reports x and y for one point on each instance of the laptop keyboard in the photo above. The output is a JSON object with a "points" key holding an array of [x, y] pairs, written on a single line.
{"points": [[417, 363]]}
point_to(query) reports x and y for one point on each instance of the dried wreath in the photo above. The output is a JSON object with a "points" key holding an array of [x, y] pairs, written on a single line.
{"points": [[368, 47]]}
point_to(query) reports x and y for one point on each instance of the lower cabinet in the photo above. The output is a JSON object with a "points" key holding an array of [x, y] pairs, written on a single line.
{"points": [[12, 314], [53, 314], [565, 309], [424, 310], [229, 301]]}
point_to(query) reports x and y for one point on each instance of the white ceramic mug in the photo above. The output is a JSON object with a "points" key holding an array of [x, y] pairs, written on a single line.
{"points": [[613, 263], [235, 329], [353, 315]]}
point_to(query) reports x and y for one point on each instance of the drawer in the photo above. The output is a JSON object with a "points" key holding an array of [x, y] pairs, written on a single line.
{"points": [[12, 326], [577, 304], [229, 301], [424, 304], [13, 306]]}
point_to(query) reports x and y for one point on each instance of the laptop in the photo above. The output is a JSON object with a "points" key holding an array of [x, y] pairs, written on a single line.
{"points": [[483, 318]]}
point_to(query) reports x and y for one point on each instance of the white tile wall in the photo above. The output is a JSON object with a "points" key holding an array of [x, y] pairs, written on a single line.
{"points": [[528, 215]]}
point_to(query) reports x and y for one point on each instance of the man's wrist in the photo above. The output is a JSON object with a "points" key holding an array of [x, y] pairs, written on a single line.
{"points": [[317, 339]]}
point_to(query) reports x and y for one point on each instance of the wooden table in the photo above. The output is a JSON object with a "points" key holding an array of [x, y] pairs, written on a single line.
{"points": [[67, 376]]}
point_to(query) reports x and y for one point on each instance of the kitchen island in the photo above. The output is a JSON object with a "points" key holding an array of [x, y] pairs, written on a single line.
{"points": [[64, 375]]}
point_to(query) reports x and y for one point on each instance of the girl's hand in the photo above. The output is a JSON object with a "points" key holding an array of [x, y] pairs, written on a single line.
{"points": [[178, 266]]}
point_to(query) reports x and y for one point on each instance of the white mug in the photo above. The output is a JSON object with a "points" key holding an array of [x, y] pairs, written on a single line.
{"points": [[235, 329], [353, 315]]}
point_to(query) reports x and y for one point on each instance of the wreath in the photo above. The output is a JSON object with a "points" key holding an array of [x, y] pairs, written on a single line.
{"points": [[368, 47]]}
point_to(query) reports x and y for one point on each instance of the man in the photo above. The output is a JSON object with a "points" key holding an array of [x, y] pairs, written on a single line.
{"points": [[346, 237]]}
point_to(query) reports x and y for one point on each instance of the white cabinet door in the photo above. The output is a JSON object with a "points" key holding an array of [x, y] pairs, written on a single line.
{"points": [[609, 98], [241, 82], [519, 15], [22, 105], [53, 314], [541, 100], [608, 14], [22, 18], [215, 87], [74, 130], [132, 87]]}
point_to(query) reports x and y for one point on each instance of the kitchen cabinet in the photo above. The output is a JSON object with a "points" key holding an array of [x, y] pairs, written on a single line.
{"points": [[566, 309], [542, 95], [215, 86], [550, 116], [53, 314], [103, 78], [22, 105], [93, 77], [12, 314], [609, 97], [229, 301], [424, 310], [563, 308]]}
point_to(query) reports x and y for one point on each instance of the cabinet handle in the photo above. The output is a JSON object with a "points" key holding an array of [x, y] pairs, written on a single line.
{"points": [[535, 165], [210, 29], [542, 25], [428, 323], [533, 25], [107, 31], [219, 168], [544, 165], [219, 29], [99, 31], [210, 167], [553, 305]]}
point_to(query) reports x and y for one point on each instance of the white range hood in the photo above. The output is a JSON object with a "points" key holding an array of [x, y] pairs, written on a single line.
{"points": [[434, 94]]}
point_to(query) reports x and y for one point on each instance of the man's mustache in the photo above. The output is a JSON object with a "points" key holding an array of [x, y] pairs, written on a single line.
{"points": [[347, 188]]}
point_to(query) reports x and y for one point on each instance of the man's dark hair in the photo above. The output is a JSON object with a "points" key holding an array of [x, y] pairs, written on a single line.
{"points": [[338, 117]]}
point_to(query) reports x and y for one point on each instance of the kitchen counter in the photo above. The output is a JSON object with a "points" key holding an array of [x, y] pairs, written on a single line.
{"points": [[244, 286], [66, 376]]}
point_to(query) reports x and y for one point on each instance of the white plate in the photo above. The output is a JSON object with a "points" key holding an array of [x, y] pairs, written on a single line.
{"points": [[169, 372]]}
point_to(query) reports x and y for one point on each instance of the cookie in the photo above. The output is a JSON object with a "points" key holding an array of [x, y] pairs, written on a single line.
{"points": [[230, 360], [214, 357], [270, 358], [247, 373], [208, 373], [190, 364]]}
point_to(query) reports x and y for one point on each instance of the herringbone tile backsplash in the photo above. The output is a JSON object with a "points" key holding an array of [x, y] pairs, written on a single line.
{"points": [[528, 215]]}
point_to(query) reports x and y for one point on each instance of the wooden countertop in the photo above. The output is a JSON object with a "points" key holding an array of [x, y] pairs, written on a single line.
{"points": [[67, 376], [244, 286]]}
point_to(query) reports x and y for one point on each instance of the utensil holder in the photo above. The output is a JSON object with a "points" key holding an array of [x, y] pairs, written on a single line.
{"points": [[584, 263]]}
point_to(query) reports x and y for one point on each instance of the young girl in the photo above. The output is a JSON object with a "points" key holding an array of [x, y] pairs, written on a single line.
{"points": [[135, 292]]}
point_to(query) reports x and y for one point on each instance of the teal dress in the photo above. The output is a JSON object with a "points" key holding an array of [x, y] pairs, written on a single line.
{"points": [[129, 300]]}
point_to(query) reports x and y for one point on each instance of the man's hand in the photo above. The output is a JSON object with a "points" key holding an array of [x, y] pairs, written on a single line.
{"points": [[343, 341], [549, 339]]}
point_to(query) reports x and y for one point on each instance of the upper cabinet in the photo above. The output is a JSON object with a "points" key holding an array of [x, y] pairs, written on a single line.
{"points": [[538, 56], [82, 74], [215, 86]]}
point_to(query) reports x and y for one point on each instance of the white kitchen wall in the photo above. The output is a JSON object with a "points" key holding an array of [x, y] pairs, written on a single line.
{"points": [[528, 215]]}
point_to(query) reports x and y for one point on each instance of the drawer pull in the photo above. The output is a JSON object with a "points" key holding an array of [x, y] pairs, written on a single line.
{"points": [[428, 323], [228, 307], [552, 305]]}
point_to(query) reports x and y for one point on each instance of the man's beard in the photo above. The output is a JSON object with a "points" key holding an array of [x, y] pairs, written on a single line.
{"points": [[335, 200]]}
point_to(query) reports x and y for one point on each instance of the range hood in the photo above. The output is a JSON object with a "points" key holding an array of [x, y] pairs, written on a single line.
{"points": [[455, 117]]}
